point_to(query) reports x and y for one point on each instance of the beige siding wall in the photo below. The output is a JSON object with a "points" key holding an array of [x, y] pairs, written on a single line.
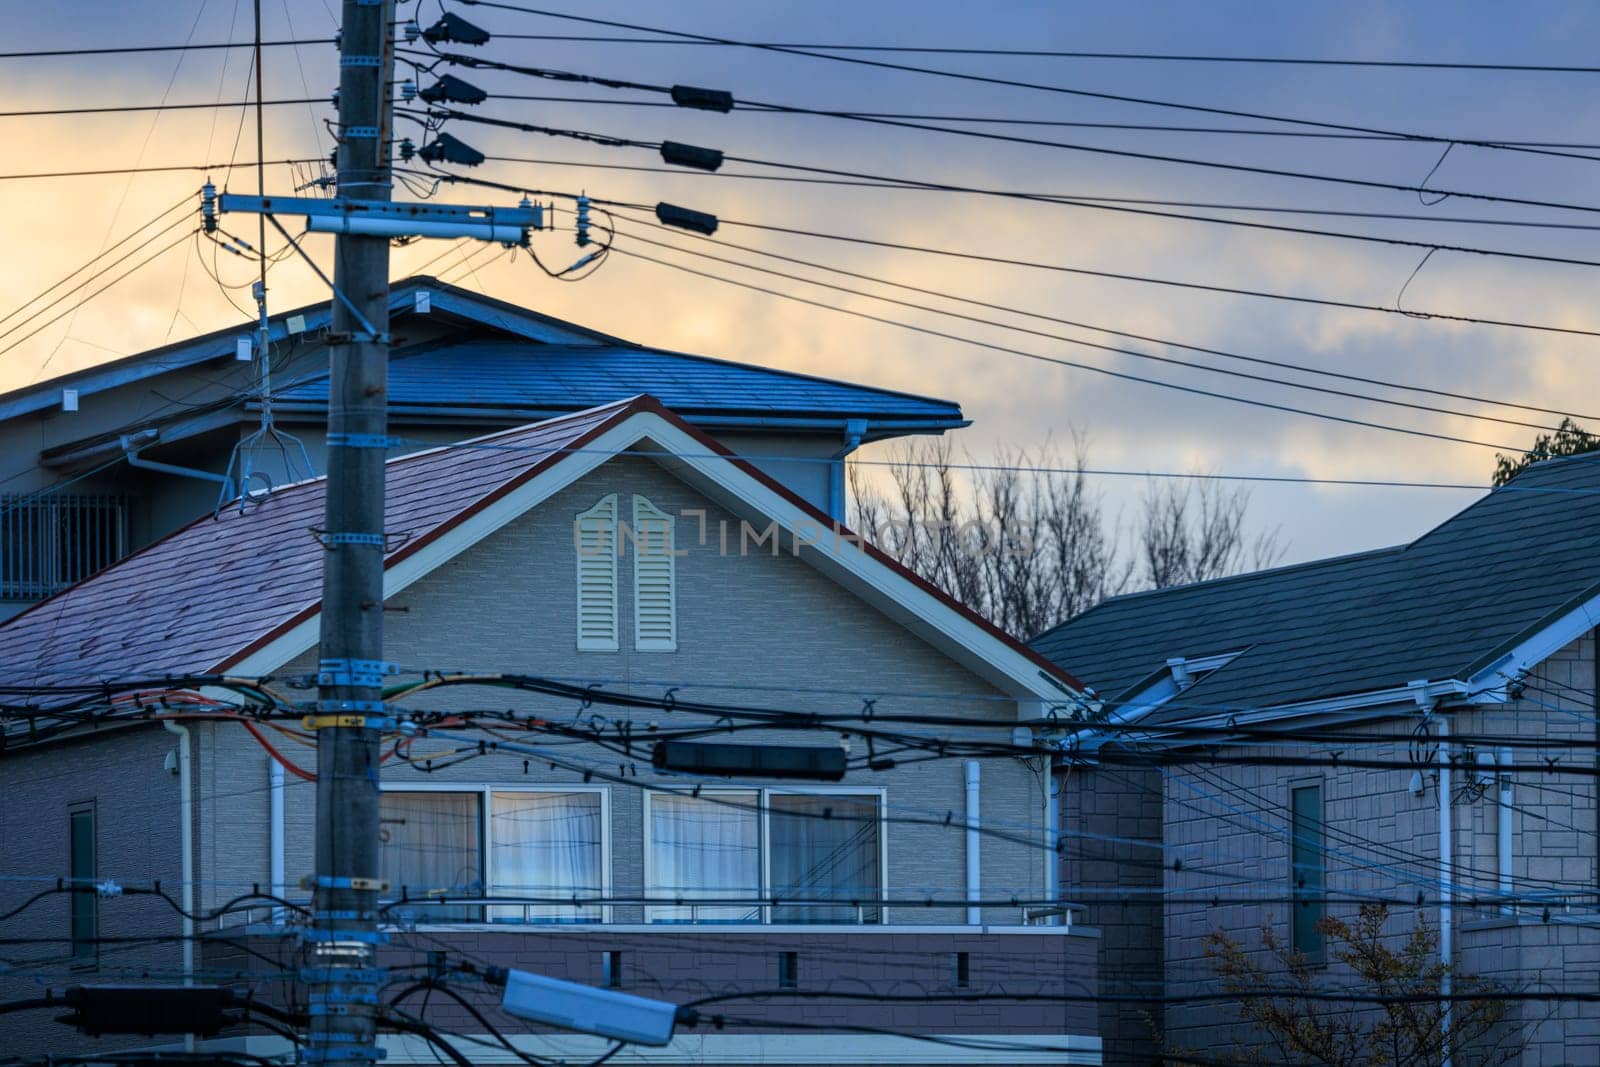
{"points": [[752, 629]]}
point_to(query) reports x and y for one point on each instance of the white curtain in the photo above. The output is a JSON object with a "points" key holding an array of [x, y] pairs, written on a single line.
{"points": [[705, 849], [825, 848], [546, 845], [432, 846]]}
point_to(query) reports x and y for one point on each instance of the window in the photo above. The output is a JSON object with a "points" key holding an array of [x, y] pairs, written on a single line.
{"points": [[84, 921], [655, 616], [544, 844], [1307, 870], [961, 969], [788, 970], [595, 537], [819, 855], [611, 965], [49, 542]]}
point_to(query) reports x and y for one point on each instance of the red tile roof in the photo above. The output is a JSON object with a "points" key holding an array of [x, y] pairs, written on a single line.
{"points": [[206, 595]]}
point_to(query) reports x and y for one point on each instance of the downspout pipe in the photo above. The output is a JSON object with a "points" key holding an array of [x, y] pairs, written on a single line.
{"points": [[974, 877], [1503, 828], [275, 829], [186, 843], [1052, 838], [854, 431], [1446, 888]]}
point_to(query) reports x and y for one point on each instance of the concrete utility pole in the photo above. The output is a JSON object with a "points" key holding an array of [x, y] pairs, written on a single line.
{"points": [[347, 877]]}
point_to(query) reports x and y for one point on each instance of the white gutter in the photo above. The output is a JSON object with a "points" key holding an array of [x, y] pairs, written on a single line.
{"points": [[275, 820], [186, 843], [974, 880], [1503, 826], [1446, 890]]}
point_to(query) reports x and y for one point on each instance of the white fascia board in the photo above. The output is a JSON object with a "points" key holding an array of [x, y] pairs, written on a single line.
{"points": [[1398, 700], [568, 469], [1488, 686], [904, 601], [1157, 694]]}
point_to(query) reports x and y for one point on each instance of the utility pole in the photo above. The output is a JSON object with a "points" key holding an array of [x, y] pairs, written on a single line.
{"points": [[343, 961]]}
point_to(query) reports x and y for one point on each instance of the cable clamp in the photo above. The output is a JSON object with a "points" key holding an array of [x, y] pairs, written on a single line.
{"points": [[341, 537], [336, 338], [329, 881], [336, 996], [363, 440], [373, 976], [357, 722], [358, 707], [360, 61], [358, 673], [315, 1054], [371, 937]]}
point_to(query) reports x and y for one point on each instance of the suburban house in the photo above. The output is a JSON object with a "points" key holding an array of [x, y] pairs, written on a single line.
{"points": [[97, 463], [1462, 664], [517, 553]]}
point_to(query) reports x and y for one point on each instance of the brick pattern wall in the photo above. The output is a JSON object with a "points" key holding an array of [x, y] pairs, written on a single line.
{"points": [[135, 800], [1119, 882], [1228, 825]]}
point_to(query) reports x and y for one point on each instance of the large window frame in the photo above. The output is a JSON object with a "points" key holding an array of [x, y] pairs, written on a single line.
{"points": [[485, 793], [656, 914]]}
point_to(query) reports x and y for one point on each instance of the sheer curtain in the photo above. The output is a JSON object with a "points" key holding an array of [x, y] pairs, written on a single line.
{"points": [[824, 848], [546, 845], [702, 849], [433, 843]]}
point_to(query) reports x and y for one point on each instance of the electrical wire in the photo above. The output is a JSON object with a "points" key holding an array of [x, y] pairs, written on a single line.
{"points": [[76, 53], [1073, 364], [1010, 82], [125, 108], [945, 295], [1166, 57]]}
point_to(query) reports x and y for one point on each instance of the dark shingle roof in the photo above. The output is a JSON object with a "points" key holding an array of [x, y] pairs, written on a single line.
{"points": [[1442, 607], [493, 372]]}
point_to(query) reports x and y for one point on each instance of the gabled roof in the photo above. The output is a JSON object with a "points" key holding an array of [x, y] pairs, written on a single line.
{"points": [[1444, 607], [506, 367], [243, 590], [496, 376]]}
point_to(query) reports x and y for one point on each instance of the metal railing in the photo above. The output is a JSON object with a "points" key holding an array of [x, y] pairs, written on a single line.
{"points": [[49, 542]]}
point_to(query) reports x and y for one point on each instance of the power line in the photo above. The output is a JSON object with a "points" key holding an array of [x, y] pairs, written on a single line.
{"points": [[1283, 364], [1059, 54], [624, 142], [121, 108], [997, 120], [1022, 353], [167, 169], [137, 49], [1013, 83], [979, 257]]}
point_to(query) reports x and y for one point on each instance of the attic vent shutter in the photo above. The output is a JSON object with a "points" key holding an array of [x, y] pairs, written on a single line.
{"points": [[655, 613], [596, 537]]}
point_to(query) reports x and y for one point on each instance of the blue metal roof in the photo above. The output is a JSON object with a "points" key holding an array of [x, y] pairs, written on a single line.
{"points": [[488, 374]]}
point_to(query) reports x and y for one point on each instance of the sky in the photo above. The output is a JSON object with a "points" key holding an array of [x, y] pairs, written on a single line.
{"points": [[51, 226]]}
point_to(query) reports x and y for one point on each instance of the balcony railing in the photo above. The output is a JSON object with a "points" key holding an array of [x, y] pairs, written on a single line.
{"points": [[49, 542]]}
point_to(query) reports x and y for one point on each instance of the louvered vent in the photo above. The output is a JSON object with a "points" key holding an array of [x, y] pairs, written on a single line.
{"points": [[655, 611], [596, 537]]}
